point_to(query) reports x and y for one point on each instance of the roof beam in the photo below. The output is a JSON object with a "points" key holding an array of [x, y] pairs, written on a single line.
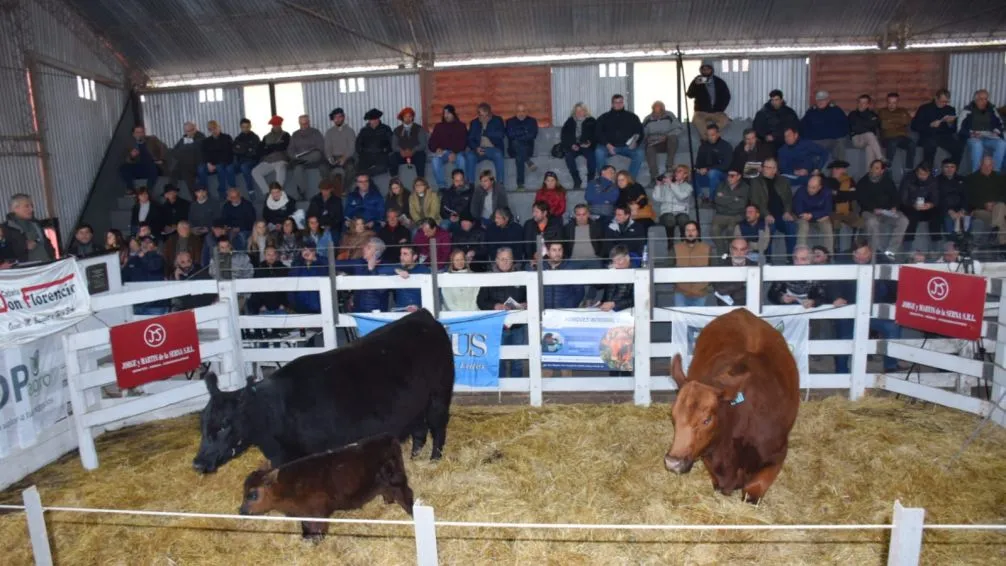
{"points": [[318, 16]]}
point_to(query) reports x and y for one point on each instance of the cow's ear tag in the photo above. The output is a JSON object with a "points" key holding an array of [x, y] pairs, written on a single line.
{"points": [[738, 399]]}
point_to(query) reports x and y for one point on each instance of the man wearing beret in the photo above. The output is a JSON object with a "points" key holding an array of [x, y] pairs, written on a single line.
{"points": [[340, 145], [373, 144], [274, 157]]}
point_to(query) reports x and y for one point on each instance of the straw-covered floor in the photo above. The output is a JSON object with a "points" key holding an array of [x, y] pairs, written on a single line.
{"points": [[588, 464]]}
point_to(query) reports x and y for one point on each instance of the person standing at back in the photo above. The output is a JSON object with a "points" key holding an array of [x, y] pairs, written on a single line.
{"points": [[712, 96]]}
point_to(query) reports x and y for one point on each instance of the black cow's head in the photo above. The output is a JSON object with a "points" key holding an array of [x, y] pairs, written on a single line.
{"points": [[222, 427]]}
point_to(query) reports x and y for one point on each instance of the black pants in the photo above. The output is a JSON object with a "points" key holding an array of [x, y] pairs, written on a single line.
{"points": [[932, 216], [947, 141]]}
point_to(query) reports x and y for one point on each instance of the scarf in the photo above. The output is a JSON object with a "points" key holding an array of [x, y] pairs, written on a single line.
{"points": [[277, 204], [32, 231], [579, 127]]}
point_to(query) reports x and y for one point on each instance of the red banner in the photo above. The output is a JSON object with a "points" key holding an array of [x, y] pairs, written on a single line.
{"points": [[950, 304], [155, 349]]}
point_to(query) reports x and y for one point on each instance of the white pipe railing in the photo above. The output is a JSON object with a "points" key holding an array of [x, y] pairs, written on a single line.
{"points": [[907, 526]]}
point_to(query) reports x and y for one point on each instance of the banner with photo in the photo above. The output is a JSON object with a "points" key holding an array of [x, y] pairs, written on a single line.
{"points": [[41, 300], [587, 339], [33, 392], [795, 328], [475, 340]]}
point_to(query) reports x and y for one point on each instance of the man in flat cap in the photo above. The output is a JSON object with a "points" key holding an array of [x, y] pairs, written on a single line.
{"points": [[373, 144], [340, 145], [408, 144]]}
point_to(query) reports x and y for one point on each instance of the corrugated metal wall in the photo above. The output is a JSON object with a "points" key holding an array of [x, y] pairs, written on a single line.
{"points": [[77, 133], [389, 94], [749, 89], [22, 174], [52, 39], [582, 83], [15, 116], [165, 113], [972, 71]]}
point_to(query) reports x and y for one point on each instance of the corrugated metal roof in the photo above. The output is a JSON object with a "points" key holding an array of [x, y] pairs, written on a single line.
{"points": [[173, 39]]}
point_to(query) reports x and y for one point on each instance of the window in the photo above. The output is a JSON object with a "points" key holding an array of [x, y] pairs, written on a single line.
{"points": [[143, 98], [211, 95], [85, 89], [257, 106], [290, 104], [353, 84], [612, 70], [735, 65]]}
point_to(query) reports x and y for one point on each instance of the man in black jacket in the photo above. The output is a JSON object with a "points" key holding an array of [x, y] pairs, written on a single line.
{"points": [[373, 144], [619, 132], [541, 223], [173, 209], [712, 96], [246, 148], [454, 200], [217, 157], [328, 208], [470, 238], [864, 127], [577, 140], [880, 202], [25, 235], [623, 231], [774, 118], [953, 201], [712, 162], [510, 297], [276, 302]]}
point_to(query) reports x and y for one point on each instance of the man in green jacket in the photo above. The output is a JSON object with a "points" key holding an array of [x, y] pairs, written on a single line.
{"points": [[773, 195]]}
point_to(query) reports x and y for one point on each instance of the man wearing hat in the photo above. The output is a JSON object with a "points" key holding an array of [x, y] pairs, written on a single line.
{"points": [[307, 151], [173, 209], [712, 96], [408, 144], [274, 157], [340, 145], [373, 144], [826, 125], [202, 211]]}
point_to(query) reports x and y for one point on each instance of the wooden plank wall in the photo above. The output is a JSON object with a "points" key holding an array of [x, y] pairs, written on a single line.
{"points": [[501, 87], [914, 75]]}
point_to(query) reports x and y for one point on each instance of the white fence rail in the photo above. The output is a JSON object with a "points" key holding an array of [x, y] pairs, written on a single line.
{"points": [[907, 526]]}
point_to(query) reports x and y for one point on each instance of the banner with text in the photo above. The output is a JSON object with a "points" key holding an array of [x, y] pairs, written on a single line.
{"points": [[33, 392], [41, 300], [795, 328], [155, 349], [475, 340], [587, 339], [951, 304]]}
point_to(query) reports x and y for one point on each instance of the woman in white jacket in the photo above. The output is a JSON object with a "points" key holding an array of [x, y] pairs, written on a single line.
{"points": [[675, 199], [461, 299]]}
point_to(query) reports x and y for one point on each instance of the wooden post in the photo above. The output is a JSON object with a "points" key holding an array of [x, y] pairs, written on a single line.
{"points": [[906, 536], [426, 535], [36, 527]]}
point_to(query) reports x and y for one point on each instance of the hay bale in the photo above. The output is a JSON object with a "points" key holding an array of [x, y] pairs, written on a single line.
{"points": [[848, 462]]}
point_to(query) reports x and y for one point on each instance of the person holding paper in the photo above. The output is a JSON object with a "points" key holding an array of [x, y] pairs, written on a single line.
{"points": [[936, 123], [619, 132], [506, 298]]}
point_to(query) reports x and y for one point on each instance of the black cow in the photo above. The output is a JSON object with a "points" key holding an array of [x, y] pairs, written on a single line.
{"points": [[397, 380]]}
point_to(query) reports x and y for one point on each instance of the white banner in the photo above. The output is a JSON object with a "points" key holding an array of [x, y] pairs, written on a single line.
{"points": [[40, 301], [33, 392], [685, 328], [587, 339]]}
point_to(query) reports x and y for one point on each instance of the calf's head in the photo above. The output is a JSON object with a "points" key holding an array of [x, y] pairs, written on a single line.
{"points": [[221, 426], [258, 495], [698, 412]]}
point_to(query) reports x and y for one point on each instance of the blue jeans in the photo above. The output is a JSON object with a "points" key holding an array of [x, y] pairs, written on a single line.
{"points": [[245, 168], [979, 146], [707, 183], [948, 224], [515, 336], [129, 172], [489, 153], [591, 158], [635, 155], [521, 152], [788, 229], [680, 300], [885, 328], [441, 161], [225, 177]]}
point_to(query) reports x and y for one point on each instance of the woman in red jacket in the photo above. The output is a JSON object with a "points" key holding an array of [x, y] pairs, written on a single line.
{"points": [[553, 193]]}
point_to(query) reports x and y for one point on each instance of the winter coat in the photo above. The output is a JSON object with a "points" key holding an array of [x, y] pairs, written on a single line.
{"points": [[442, 239], [769, 120], [928, 113], [969, 114], [489, 297], [366, 300], [666, 125], [760, 196], [560, 296], [373, 145], [552, 231], [394, 236], [617, 126], [894, 123], [274, 146], [329, 212], [370, 205], [246, 147], [913, 188], [499, 200], [621, 294], [864, 122], [218, 150], [674, 198], [495, 131], [473, 240], [759, 154], [155, 150], [428, 208], [155, 219], [17, 241], [402, 298], [596, 238], [827, 124], [588, 132], [509, 236], [629, 234], [804, 154], [462, 299], [276, 216], [953, 193], [700, 93], [241, 216], [522, 132], [172, 212], [880, 194], [555, 199], [819, 205], [813, 290], [275, 299], [449, 136], [985, 188], [232, 266], [714, 155], [189, 154], [454, 201], [601, 195], [731, 201], [399, 203]]}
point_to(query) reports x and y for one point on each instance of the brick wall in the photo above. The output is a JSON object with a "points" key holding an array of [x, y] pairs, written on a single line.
{"points": [[915, 76], [501, 87]]}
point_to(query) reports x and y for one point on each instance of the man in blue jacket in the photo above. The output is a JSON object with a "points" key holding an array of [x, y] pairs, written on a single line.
{"points": [[826, 125], [602, 194], [239, 215], [485, 141], [365, 201], [936, 124], [409, 300], [522, 130], [812, 206], [619, 132], [800, 158], [558, 296], [308, 264], [982, 131]]}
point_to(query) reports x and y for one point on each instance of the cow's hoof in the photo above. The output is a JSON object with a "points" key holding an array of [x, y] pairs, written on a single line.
{"points": [[314, 538], [436, 456], [748, 498], [727, 492]]}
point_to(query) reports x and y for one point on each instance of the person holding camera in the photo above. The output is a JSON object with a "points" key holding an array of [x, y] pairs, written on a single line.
{"points": [[712, 96]]}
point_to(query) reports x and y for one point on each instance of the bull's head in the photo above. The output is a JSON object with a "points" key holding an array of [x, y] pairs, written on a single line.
{"points": [[697, 413], [221, 425]]}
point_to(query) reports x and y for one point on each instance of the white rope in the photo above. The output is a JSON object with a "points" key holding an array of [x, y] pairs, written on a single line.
{"points": [[482, 524]]}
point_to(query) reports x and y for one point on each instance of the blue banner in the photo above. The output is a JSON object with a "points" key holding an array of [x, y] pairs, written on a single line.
{"points": [[475, 340]]}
